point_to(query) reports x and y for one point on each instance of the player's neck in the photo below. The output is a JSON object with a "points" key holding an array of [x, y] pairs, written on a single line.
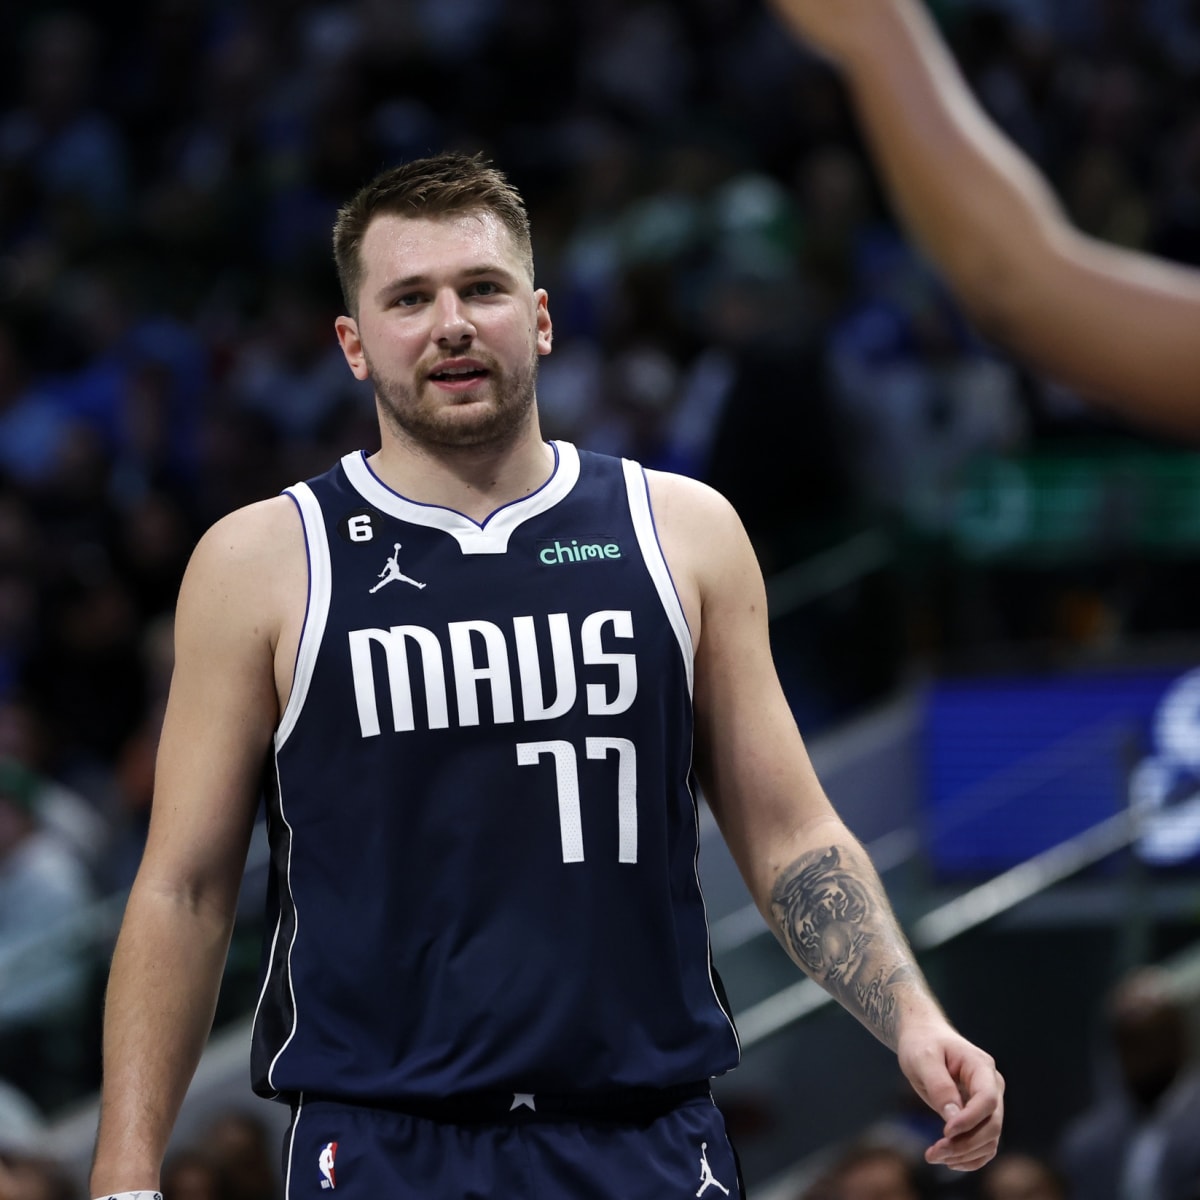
{"points": [[472, 480]]}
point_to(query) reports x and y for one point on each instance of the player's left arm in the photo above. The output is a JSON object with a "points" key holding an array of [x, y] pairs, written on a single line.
{"points": [[810, 877]]}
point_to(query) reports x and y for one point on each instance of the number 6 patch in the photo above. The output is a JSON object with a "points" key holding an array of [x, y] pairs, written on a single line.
{"points": [[358, 526]]}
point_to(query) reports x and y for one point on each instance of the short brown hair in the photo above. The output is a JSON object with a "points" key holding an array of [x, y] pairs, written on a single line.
{"points": [[427, 187]]}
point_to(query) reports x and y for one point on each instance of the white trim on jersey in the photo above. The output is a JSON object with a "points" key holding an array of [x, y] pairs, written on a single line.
{"points": [[284, 904], [638, 488], [712, 967], [291, 1147], [316, 616], [473, 538], [652, 554], [320, 589]]}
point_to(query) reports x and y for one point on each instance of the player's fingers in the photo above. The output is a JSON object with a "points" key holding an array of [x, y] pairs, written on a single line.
{"points": [[970, 1148], [983, 1100], [937, 1087], [970, 1160], [972, 1164], [978, 1111]]}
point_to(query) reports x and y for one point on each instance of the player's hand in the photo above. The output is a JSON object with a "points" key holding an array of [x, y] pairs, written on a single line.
{"points": [[960, 1083]]}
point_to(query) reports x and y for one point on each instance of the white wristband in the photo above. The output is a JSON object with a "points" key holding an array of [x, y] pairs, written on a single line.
{"points": [[132, 1196]]}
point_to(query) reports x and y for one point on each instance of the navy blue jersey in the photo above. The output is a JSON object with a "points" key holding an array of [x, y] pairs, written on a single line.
{"points": [[480, 805]]}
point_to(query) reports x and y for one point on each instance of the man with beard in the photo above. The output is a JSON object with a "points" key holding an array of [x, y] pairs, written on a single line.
{"points": [[478, 675]]}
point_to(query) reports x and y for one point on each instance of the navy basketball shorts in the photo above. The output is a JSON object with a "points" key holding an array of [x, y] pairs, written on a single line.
{"points": [[336, 1151]]}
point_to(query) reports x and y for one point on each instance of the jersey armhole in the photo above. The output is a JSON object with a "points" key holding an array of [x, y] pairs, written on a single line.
{"points": [[316, 610], [638, 489]]}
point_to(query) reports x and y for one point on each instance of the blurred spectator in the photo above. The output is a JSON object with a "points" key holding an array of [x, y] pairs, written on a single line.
{"points": [[31, 1178], [923, 395], [755, 418], [641, 384], [84, 674], [26, 1170], [72, 150], [18, 583], [141, 382], [638, 63], [191, 1174], [33, 425], [1140, 1139], [43, 982], [1015, 1176], [243, 1149], [290, 371], [154, 542], [873, 1171], [61, 811], [22, 1127]]}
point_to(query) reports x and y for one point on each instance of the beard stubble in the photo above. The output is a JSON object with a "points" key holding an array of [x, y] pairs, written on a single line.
{"points": [[416, 417]]}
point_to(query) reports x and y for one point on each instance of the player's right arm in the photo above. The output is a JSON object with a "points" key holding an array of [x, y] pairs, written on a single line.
{"points": [[1118, 325], [220, 716]]}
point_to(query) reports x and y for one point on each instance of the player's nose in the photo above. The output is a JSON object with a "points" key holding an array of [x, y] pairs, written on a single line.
{"points": [[452, 324]]}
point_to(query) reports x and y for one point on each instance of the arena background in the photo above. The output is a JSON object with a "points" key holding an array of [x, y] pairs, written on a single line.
{"points": [[985, 592]]}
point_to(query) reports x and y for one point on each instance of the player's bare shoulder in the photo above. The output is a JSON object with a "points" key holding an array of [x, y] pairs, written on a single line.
{"points": [[702, 538], [694, 521], [250, 569]]}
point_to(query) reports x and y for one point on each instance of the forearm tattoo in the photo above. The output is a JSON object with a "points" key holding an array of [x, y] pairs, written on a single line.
{"points": [[838, 926]]}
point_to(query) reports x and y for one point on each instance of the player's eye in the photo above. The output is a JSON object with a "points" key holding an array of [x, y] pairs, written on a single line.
{"points": [[484, 287]]}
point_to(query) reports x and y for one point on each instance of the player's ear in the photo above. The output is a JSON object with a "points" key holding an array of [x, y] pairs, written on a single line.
{"points": [[545, 327], [352, 347]]}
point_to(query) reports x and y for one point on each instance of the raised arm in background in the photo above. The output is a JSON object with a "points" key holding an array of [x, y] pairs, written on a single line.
{"points": [[1121, 327]]}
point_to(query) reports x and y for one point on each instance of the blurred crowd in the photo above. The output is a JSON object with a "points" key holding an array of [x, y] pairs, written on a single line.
{"points": [[730, 300], [233, 1157]]}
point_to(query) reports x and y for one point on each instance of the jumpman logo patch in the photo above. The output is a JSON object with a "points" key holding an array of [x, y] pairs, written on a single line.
{"points": [[707, 1178], [391, 573]]}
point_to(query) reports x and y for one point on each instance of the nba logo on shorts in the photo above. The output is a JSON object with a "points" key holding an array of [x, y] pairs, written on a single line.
{"points": [[325, 1162]]}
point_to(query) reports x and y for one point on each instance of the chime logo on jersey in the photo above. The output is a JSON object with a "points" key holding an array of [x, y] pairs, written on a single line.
{"points": [[553, 554], [474, 661], [325, 1161]]}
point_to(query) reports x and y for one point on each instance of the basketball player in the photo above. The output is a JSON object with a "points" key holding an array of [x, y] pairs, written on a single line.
{"points": [[478, 676], [1119, 326]]}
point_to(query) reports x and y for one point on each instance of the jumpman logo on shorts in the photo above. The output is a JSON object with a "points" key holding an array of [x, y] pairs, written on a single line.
{"points": [[392, 573], [707, 1178]]}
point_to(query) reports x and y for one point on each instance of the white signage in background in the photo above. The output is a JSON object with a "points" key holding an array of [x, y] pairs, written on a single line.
{"points": [[1164, 788]]}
